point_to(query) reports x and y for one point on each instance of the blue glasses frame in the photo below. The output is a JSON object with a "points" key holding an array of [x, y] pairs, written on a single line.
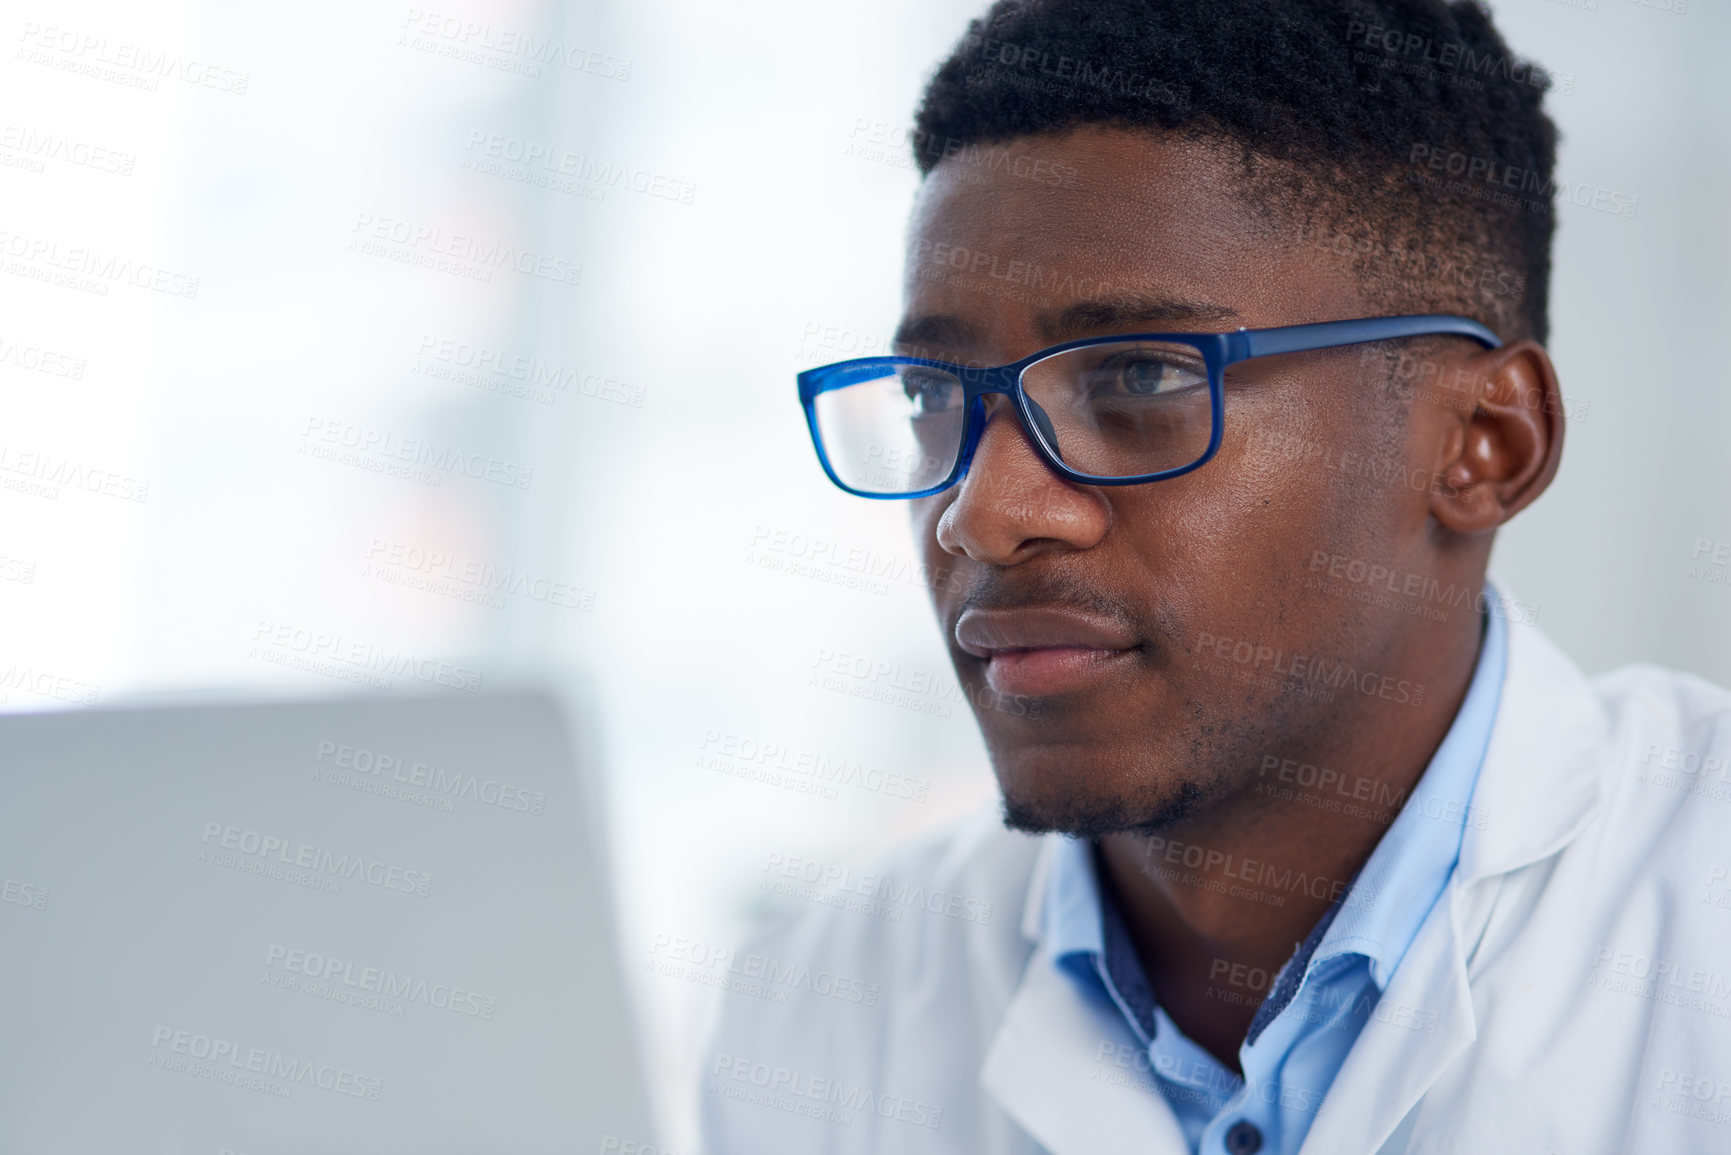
{"points": [[1218, 351]]}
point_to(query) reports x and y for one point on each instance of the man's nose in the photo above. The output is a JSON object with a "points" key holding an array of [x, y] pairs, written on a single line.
{"points": [[1012, 506]]}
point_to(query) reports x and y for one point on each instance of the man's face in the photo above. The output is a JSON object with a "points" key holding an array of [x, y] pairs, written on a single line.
{"points": [[1131, 650]]}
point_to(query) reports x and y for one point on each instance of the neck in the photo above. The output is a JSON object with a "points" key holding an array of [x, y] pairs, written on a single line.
{"points": [[1217, 904]]}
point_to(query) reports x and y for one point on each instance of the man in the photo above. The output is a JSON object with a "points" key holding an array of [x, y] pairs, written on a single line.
{"points": [[1315, 843]]}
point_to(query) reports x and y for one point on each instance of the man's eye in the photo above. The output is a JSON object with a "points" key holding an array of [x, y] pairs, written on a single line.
{"points": [[1142, 375], [931, 392]]}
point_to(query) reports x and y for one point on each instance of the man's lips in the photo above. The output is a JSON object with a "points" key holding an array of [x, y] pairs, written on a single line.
{"points": [[1039, 651]]}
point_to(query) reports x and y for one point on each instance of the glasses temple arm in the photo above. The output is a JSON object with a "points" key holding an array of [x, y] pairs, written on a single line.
{"points": [[1325, 334]]}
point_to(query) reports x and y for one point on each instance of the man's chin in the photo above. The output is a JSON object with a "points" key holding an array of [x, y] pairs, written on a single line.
{"points": [[1094, 816]]}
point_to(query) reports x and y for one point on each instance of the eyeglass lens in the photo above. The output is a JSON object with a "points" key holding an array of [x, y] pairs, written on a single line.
{"points": [[1117, 409]]}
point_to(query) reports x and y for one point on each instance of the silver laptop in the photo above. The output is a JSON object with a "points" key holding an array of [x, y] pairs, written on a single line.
{"points": [[352, 926]]}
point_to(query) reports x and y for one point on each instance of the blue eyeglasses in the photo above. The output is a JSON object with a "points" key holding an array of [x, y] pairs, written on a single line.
{"points": [[1119, 410]]}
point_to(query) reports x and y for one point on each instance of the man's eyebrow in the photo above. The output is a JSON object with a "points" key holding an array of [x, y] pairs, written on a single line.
{"points": [[935, 329], [947, 332], [1088, 318]]}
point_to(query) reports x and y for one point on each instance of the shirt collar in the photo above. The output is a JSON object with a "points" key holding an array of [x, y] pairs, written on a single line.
{"points": [[1410, 866], [1089, 939], [1073, 925]]}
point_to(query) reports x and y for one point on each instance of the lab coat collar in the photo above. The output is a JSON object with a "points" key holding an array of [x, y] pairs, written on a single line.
{"points": [[1543, 776], [1034, 908], [1068, 1070], [1066, 1067]]}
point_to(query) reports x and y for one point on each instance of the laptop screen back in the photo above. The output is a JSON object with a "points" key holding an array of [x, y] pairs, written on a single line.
{"points": [[368, 926]]}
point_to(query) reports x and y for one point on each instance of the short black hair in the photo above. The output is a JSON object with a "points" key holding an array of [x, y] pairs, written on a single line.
{"points": [[1401, 132]]}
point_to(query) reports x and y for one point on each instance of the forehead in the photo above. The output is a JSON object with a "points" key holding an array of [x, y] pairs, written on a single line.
{"points": [[1008, 238]]}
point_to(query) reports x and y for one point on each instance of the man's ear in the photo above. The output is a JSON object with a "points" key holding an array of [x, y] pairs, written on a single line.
{"points": [[1502, 451]]}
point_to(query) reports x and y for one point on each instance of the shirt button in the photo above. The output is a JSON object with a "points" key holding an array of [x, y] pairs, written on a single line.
{"points": [[1243, 1138]]}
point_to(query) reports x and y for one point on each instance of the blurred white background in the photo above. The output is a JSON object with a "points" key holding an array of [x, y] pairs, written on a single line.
{"points": [[369, 345]]}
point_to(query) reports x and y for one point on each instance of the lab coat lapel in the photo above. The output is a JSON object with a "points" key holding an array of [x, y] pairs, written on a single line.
{"points": [[1055, 1067], [1421, 1024], [1543, 776]]}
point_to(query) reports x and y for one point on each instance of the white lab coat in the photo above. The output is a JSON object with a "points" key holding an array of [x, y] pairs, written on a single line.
{"points": [[1570, 992]]}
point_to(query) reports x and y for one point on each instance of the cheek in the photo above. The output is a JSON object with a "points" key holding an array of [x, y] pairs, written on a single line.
{"points": [[1236, 531], [923, 516], [1213, 520], [946, 576], [1281, 459]]}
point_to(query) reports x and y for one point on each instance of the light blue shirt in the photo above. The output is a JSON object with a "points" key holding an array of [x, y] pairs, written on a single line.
{"points": [[1320, 1000]]}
